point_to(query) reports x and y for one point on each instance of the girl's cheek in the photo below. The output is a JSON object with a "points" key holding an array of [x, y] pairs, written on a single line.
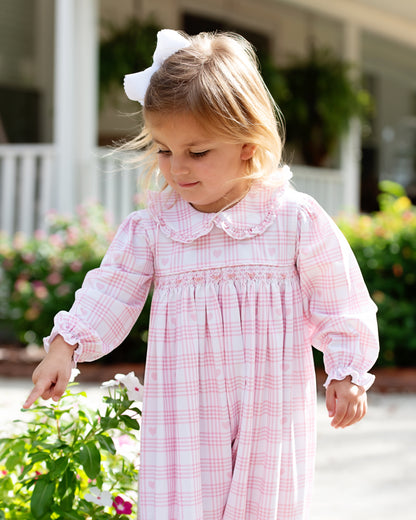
{"points": [[163, 163]]}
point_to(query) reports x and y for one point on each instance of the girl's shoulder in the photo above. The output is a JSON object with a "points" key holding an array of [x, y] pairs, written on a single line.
{"points": [[137, 224], [137, 219], [299, 202]]}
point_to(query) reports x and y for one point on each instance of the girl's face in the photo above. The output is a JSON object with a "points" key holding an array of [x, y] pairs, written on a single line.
{"points": [[203, 169]]}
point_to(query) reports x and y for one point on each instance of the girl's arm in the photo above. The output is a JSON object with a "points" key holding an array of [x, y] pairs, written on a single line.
{"points": [[51, 376], [104, 311], [340, 313]]}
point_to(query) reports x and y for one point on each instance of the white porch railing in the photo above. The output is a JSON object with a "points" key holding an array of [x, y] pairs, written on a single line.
{"points": [[26, 186], [28, 182], [325, 185]]}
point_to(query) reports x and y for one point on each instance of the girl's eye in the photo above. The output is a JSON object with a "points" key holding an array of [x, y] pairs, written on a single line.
{"points": [[163, 152], [196, 155]]}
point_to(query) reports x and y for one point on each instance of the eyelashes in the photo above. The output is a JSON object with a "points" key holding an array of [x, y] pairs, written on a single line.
{"points": [[195, 155], [198, 154]]}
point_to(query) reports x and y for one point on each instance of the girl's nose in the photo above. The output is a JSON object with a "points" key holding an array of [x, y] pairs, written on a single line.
{"points": [[178, 166]]}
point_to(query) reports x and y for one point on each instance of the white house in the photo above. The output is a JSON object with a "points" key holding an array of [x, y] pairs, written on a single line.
{"points": [[50, 125]]}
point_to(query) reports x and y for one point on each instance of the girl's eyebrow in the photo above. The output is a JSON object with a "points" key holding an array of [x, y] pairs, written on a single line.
{"points": [[187, 145]]}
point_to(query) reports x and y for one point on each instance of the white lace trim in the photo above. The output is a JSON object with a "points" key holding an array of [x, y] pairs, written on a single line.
{"points": [[361, 379], [179, 221]]}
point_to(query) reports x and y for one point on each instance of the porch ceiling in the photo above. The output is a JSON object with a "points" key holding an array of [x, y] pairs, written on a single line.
{"points": [[395, 20], [401, 8]]}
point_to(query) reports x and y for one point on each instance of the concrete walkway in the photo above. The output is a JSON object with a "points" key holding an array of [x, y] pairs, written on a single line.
{"points": [[366, 472]]}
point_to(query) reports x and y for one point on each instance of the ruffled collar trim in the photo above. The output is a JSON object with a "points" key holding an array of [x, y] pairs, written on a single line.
{"points": [[178, 220]]}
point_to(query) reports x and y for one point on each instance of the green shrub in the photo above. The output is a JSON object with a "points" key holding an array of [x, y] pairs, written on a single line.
{"points": [[39, 276], [385, 246], [67, 460]]}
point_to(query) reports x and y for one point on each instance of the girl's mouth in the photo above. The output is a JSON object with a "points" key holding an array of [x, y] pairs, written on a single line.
{"points": [[187, 184]]}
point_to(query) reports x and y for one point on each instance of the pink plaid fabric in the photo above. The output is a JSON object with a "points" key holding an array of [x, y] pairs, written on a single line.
{"points": [[228, 427]]}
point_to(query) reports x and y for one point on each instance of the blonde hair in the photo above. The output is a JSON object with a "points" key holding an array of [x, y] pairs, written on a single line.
{"points": [[217, 80]]}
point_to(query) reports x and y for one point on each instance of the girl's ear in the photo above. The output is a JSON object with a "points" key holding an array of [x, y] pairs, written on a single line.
{"points": [[247, 151]]}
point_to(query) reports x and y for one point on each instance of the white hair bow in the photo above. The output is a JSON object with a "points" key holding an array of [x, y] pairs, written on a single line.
{"points": [[168, 42]]}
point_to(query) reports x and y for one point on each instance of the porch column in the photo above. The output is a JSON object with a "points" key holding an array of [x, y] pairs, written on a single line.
{"points": [[64, 106], [75, 96], [351, 145], [86, 63]]}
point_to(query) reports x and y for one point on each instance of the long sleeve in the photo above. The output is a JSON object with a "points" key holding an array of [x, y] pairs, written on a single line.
{"points": [[340, 313], [112, 296]]}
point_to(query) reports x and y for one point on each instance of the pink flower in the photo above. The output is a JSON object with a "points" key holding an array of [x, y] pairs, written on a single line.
{"points": [[40, 290], [19, 241], [72, 235], [40, 234], [75, 266], [63, 290], [54, 278], [56, 241], [28, 258], [121, 506]]}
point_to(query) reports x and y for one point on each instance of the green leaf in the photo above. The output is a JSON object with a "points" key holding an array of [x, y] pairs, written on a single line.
{"points": [[90, 459], [71, 515], [58, 467], [67, 488], [106, 443], [130, 422], [42, 497], [6, 485], [13, 461], [40, 456], [67, 481], [107, 423]]}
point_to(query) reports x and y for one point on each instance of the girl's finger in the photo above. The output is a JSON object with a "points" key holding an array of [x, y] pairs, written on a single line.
{"points": [[330, 402], [355, 413], [38, 390], [340, 414]]}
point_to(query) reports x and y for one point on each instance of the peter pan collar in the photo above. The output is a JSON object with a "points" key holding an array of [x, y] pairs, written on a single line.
{"points": [[178, 220]]}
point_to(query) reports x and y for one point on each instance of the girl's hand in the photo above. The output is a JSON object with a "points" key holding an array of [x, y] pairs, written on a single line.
{"points": [[346, 402], [51, 376]]}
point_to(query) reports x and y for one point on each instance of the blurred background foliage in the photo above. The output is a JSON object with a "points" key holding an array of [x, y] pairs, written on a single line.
{"points": [[385, 246], [40, 276]]}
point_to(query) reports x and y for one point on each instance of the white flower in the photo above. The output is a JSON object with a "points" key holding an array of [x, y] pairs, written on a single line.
{"points": [[110, 383], [133, 385], [74, 373], [101, 498]]}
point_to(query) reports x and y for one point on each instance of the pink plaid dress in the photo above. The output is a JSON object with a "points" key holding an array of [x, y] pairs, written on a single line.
{"points": [[228, 427]]}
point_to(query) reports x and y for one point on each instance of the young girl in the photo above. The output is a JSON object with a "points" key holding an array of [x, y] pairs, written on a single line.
{"points": [[247, 274]]}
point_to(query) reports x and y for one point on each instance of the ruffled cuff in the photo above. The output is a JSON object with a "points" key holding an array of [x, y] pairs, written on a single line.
{"points": [[361, 379], [67, 338], [75, 332]]}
